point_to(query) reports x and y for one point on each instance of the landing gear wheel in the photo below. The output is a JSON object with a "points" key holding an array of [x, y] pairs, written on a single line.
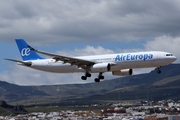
{"points": [[159, 71], [97, 80], [101, 77], [88, 75], [83, 77]]}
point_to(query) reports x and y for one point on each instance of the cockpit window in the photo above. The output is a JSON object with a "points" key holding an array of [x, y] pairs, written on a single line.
{"points": [[169, 55]]}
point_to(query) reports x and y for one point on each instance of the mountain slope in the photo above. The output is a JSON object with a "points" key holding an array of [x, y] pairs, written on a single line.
{"points": [[150, 86], [131, 87]]}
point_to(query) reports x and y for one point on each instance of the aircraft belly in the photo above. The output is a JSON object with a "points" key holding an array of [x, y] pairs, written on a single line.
{"points": [[162, 62], [66, 69], [136, 64]]}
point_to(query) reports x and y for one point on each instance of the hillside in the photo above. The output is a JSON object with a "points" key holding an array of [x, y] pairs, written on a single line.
{"points": [[149, 86], [143, 86], [6, 109]]}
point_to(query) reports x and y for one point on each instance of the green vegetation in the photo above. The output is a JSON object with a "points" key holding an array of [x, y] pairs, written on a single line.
{"points": [[64, 108], [43, 109], [5, 112]]}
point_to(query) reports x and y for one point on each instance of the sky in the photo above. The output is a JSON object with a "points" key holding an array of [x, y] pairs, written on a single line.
{"points": [[84, 27]]}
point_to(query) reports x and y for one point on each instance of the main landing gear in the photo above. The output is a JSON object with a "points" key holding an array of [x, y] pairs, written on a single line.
{"points": [[159, 71], [100, 76], [85, 76]]}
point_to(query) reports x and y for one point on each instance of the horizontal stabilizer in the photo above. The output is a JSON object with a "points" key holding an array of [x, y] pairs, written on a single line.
{"points": [[18, 61]]}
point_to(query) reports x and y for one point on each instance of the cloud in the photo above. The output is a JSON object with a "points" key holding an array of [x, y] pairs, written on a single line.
{"points": [[165, 43], [88, 50], [51, 22]]}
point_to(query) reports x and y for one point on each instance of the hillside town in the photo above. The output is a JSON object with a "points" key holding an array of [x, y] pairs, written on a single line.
{"points": [[144, 110]]}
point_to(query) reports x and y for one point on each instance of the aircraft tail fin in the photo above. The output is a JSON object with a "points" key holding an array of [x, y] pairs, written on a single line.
{"points": [[25, 52]]}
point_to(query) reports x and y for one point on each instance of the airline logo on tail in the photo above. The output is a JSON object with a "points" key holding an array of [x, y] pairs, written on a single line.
{"points": [[25, 52]]}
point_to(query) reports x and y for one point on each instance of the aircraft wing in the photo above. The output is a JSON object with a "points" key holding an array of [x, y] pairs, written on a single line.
{"points": [[84, 64], [18, 61]]}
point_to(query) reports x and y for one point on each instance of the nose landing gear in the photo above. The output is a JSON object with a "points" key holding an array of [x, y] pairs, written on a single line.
{"points": [[159, 71]]}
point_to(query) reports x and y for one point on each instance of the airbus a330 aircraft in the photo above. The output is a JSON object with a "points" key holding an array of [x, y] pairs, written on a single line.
{"points": [[120, 64]]}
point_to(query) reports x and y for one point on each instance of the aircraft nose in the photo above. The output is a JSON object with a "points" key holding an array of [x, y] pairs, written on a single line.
{"points": [[174, 58]]}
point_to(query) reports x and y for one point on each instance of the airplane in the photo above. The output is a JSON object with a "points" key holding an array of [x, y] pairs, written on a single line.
{"points": [[120, 64]]}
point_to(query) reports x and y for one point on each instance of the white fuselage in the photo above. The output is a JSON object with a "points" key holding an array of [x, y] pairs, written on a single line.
{"points": [[119, 61]]}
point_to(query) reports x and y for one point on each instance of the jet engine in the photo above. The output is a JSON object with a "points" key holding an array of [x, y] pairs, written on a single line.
{"points": [[101, 67], [123, 72]]}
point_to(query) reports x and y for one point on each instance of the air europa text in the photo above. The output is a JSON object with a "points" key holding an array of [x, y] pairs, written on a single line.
{"points": [[133, 57]]}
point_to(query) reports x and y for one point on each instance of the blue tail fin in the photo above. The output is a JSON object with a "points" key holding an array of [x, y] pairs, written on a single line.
{"points": [[25, 51]]}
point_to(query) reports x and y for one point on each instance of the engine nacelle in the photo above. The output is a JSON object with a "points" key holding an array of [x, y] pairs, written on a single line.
{"points": [[101, 67], [124, 72]]}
